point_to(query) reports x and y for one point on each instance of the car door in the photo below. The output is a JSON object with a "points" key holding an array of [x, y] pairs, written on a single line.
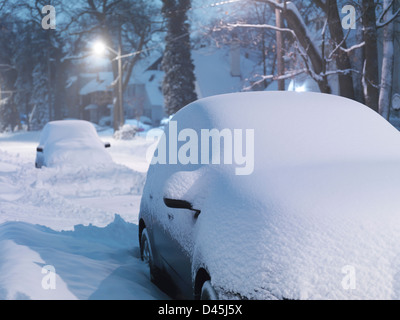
{"points": [[174, 226], [173, 238]]}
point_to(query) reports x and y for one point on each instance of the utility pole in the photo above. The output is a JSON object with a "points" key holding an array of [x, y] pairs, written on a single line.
{"points": [[49, 73], [279, 48], [49, 84], [118, 106], [120, 96], [118, 110]]}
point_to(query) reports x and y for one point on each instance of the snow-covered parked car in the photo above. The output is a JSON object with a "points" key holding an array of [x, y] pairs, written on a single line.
{"points": [[72, 143], [316, 214]]}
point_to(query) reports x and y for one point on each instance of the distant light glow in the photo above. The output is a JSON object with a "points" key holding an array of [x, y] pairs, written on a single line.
{"points": [[99, 48], [302, 88]]}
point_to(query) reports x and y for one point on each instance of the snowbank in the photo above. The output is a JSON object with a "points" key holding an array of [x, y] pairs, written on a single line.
{"points": [[80, 222], [88, 263], [127, 132], [62, 197]]}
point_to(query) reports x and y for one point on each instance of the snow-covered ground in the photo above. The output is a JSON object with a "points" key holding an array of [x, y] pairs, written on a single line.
{"points": [[71, 233]]}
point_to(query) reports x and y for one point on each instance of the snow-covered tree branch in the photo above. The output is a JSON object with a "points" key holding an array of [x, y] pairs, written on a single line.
{"points": [[387, 16]]}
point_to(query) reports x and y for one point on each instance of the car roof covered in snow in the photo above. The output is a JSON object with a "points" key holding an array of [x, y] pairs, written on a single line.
{"points": [[298, 128], [67, 130]]}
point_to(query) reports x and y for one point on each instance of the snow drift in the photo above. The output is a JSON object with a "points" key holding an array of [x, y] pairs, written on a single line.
{"points": [[88, 262], [79, 220]]}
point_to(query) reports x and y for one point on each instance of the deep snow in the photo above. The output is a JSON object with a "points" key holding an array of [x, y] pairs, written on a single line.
{"points": [[80, 221]]}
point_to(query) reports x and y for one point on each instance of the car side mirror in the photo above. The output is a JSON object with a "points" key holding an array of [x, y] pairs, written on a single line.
{"points": [[107, 145], [181, 204], [39, 149]]}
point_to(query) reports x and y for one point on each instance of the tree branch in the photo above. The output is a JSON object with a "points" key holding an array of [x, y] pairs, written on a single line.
{"points": [[380, 23]]}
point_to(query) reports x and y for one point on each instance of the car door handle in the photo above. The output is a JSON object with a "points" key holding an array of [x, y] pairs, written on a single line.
{"points": [[181, 204]]}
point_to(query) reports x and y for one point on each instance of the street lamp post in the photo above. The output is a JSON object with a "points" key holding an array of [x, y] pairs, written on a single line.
{"points": [[99, 49]]}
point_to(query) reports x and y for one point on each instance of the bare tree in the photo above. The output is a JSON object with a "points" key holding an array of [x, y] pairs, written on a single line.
{"points": [[315, 64], [342, 59], [386, 20], [370, 72], [125, 26], [279, 48], [260, 43]]}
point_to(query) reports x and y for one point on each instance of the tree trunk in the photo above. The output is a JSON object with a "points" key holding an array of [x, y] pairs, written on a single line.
{"points": [[295, 23], [179, 81], [279, 49], [387, 67], [371, 77], [342, 59]]}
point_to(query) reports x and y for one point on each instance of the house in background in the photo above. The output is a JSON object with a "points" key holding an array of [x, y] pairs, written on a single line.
{"points": [[223, 70], [217, 70], [144, 98], [91, 96], [96, 97]]}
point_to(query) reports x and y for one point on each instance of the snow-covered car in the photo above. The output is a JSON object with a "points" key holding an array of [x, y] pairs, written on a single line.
{"points": [[314, 215], [72, 143]]}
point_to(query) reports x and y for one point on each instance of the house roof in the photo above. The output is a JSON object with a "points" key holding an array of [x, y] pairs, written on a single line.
{"points": [[151, 79], [101, 82]]}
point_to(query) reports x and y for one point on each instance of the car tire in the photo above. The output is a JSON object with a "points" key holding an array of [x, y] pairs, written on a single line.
{"points": [[208, 292], [146, 254]]}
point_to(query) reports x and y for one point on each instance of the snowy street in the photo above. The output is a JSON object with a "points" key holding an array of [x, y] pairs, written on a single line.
{"points": [[80, 224]]}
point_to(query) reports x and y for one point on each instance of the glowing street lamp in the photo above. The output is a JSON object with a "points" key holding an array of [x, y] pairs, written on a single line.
{"points": [[99, 48]]}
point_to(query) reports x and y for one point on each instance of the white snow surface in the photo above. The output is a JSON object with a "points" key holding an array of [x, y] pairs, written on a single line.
{"points": [[81, 220], [323, 199]]}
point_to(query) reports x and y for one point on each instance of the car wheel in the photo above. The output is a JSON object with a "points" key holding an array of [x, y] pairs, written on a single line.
{"points": [[145, 249], [208, 292], [146, 255]]}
